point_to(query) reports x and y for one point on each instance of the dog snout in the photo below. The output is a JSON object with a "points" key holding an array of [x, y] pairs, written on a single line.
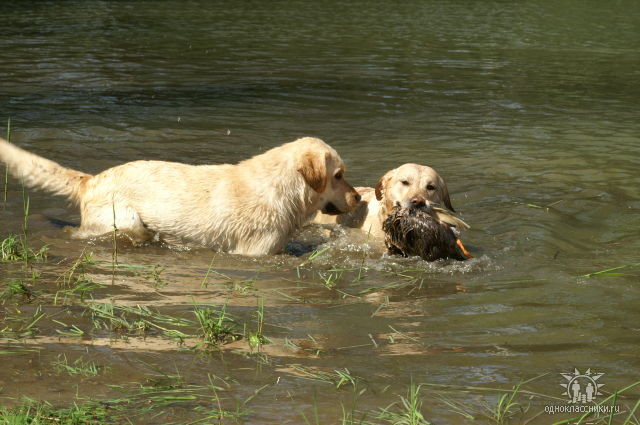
{"points": [[417, 201], [352, 198]]}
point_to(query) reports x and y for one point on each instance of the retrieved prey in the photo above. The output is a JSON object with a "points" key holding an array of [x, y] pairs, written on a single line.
{"points": [[426, 231]]}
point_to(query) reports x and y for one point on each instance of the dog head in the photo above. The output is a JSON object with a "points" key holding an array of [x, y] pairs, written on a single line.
{"points": [[323, 170], [411, 185]]}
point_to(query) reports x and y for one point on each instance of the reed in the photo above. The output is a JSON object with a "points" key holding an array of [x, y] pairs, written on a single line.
{"points": [[6, 168]]}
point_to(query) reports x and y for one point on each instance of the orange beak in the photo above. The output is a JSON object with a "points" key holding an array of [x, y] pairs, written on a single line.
{"points": [[464, 250]]}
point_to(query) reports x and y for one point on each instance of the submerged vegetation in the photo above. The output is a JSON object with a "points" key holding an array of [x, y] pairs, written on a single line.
{"points": [[75, 302], [57, 317], [215, 326], [14, 248], [80, 307]]}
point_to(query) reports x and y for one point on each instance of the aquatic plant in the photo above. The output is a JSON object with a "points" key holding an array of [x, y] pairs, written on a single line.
{"points": [[77, 367], [14, 248], [215, 326], [407, 411]]}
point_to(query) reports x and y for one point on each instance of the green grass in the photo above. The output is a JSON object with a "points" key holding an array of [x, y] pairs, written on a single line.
{"points": [[351, 416], [257, 339], [74, 282], [503, 410], [611, 272], [81, 289], [76, 272], [69, 330], [162, 394], [155, 275], [78, 367], [210, 270], [211, 326], [14, 248], [17, 287], [241, 286], [21, 325], [506, 407], [330, 278], [408, 411], [337, 377], [172, 391], [110, 317], [215, 326], [124, 321], [612, 400], [32, 412]]}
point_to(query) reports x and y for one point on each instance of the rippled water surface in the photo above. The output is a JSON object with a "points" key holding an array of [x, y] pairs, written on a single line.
{"points": [[529, 110]]}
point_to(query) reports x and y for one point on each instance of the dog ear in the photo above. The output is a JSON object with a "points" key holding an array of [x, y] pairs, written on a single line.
{"points": [[314, 170], [381, 184], [445, 196]]}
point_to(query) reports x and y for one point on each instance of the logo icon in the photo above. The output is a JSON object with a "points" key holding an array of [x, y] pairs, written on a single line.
{"points": [[582, 387]]}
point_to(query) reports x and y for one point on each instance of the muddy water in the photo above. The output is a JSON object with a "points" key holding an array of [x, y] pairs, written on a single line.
{"points": [[529, 111]]}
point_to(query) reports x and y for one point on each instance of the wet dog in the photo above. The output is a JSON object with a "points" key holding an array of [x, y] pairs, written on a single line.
{"points": [[404, 186], [249, 208]]}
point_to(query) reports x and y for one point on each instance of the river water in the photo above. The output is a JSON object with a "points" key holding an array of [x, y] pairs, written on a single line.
{"points": [[529, 110]]}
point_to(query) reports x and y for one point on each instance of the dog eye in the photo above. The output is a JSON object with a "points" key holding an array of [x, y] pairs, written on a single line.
{"points": [[405, 182], [338, 175], [431, 187]]}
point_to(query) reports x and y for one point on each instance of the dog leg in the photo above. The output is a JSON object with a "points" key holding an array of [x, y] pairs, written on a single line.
{"points": [[261, 244], [104, 220]]}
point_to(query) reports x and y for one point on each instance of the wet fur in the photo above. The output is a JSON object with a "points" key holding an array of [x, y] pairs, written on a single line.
{"points": [[249, 208], [378, 202], [416, 232]]}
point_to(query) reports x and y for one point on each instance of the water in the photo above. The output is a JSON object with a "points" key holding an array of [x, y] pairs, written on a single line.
{"points": [[528, 110]]}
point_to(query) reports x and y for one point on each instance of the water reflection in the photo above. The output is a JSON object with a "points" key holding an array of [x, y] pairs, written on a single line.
{"points": [[527, 110]]}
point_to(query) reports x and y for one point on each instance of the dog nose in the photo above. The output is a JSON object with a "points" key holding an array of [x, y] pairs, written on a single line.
{"points": [[357, 197], [417, 201]]}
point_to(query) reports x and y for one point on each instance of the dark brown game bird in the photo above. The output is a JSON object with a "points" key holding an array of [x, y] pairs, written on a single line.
{"points": [[425, 230]]}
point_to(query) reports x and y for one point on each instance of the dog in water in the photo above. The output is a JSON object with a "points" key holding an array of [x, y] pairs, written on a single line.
{"points": [[250, 208], [405, 186]]}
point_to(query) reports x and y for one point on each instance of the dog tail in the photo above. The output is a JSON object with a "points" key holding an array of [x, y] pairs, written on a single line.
{"points": [[40, 173]]}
